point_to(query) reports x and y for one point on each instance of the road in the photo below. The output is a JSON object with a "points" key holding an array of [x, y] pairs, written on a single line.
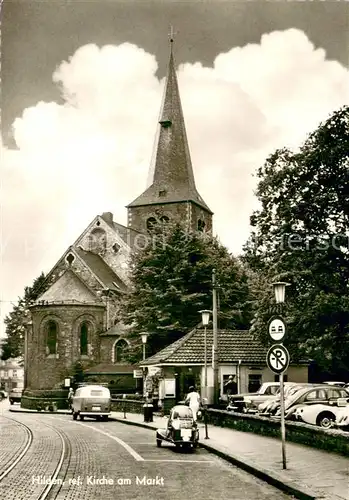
{"points": [[54, 457]]}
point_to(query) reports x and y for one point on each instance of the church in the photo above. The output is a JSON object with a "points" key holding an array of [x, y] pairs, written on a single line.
{"points": [[76, 319]]}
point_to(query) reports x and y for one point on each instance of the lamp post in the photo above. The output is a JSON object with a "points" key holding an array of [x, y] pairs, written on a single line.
{"points": [[279, 291], [144, 337], [205, 318], [215, 340]]}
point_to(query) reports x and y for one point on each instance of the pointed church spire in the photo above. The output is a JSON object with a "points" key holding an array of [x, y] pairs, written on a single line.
{"points": [[172, 177]]}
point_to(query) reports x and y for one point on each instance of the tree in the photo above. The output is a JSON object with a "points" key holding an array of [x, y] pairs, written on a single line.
{"points": [[15, 321], [301, 235], [172, 282]]}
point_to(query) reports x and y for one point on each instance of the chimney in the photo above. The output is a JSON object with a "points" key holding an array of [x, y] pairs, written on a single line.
{"points": [[108, 217]]}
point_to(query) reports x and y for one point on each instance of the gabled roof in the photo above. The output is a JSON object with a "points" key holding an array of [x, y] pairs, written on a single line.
{"points": [[66, 287], [173, 177], [233, 345], [101, 269]]}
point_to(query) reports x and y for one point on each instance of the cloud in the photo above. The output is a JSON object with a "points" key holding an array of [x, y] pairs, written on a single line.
{"points": [[92, 153]]}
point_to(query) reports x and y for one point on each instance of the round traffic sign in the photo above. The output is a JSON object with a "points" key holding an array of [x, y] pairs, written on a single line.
{"points": [[277, 328], [278, 358]]}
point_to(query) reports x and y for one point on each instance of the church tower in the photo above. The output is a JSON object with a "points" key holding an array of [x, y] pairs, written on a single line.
{"points": [[172, 194]]}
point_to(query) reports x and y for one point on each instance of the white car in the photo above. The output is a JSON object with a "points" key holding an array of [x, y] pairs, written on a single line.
{"points": [[342, 418], [321, 414]]}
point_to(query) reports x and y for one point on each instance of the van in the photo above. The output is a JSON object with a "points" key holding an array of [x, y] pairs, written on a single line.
{"points": [[91, 401]]}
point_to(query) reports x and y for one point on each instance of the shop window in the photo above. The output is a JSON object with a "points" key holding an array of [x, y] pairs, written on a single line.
{"points": [[254, 382]]}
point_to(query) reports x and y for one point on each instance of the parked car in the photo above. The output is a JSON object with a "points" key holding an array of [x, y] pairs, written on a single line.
{"points": [[15, 395], [91, 401], [3, 394], [270, 406], [337, 384], [319, 394], [342, 418], [240, 402], [320, 414]]}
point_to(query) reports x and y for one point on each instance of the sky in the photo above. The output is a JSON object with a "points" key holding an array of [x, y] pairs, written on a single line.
{"points": [[82, 85]]}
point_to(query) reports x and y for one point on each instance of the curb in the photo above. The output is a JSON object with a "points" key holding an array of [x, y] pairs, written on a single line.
{"points": [[278, 482], [43, 412], [266, 476]]}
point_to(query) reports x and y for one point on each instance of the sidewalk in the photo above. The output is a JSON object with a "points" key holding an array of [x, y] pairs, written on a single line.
{"points": [[310, 473]]}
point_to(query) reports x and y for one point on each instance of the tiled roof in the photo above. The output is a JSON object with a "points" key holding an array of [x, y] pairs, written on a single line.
{"points": [[233, 345], [101, 269], [110, 369], [116, 330]]}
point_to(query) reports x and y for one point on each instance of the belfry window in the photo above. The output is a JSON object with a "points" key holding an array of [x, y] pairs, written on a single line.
{"points": [[151, 223], [201, 225], [84, 339], [51, 337], [164, 219]]}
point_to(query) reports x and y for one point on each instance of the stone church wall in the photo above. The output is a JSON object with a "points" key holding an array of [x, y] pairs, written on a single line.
{"points": [[115, 251], [46, 370], [179, 212]]}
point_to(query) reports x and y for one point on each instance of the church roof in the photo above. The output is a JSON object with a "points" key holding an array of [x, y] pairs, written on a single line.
{"points": [[101, 269], [173, 177]]}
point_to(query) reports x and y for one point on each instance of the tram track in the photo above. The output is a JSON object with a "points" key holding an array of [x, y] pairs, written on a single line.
{"points": [[22, 452], [55, 479]]}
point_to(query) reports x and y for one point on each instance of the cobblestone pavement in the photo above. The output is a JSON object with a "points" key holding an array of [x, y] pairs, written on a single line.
{"points": [[127, 456], [13, 440]]}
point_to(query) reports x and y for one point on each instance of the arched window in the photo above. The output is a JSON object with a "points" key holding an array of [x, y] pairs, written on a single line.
{"points": [[84, 339], [119, 350], [51, 337], [151, 223], [164, 219], [201, 225]]}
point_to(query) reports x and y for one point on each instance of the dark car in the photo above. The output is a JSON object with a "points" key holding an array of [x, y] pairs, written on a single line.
{"points": [[325, 394], [3, 394], [15, 396]]}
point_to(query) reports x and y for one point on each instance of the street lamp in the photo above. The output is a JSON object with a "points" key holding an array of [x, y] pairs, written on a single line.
{"points": [[205, 318], [279, 291], [144, 337]]}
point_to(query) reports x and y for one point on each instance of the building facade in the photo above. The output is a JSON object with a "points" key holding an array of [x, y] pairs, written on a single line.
{"points": [[77, 318]]}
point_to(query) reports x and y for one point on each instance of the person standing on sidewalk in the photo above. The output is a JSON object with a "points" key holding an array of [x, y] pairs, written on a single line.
{"points": [[193, 398], [231, 386], [70, 398]]}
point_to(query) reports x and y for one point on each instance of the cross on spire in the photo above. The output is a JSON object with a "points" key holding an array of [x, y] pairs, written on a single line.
{"points": [[172, 34]]}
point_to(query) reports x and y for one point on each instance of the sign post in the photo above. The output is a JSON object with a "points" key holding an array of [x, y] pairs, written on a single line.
{"points": [[278, 360]]}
